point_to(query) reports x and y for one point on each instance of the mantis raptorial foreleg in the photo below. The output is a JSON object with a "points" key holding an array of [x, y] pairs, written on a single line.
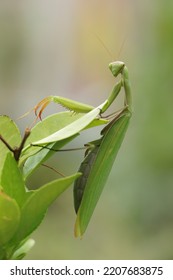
{"points": [[116, 68], [67, 103]]}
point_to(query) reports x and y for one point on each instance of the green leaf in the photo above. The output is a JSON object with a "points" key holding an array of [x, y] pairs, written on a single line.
{"points": [[9, 218], [42, 155], [12, 180], [73, 128], [49, 126], [101, 167], [10, 132], [35, 207], [45, 128]]}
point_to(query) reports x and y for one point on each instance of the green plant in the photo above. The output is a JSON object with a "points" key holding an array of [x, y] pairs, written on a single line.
{"points": [[21, 209]]}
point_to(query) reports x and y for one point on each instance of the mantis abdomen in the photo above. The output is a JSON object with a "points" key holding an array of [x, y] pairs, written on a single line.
{"points": [[80, 183]]}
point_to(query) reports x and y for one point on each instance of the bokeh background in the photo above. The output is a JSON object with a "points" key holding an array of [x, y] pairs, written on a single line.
{"points": [[52, 47]]}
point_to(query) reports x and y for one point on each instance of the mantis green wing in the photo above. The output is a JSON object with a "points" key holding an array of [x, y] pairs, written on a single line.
{"points": [[102, 162]]}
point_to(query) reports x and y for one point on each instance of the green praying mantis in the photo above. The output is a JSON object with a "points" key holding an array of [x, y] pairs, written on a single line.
{"points": [[101, 153]]}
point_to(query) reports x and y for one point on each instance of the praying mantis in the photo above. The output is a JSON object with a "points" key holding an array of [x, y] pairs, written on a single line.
{"points": [[101, 153]]}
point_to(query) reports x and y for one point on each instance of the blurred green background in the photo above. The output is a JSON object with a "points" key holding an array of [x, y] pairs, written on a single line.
{"points": [[52, 47]]}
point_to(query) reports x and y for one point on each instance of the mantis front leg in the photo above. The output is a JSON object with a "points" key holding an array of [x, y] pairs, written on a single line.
{"points": [[67, 103], [116, 68]]}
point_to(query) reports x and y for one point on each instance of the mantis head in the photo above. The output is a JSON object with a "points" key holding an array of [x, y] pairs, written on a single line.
{"points": [[116, 67]]}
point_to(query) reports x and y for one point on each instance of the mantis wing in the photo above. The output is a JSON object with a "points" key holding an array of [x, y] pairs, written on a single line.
{"points": [[99, 173]]}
